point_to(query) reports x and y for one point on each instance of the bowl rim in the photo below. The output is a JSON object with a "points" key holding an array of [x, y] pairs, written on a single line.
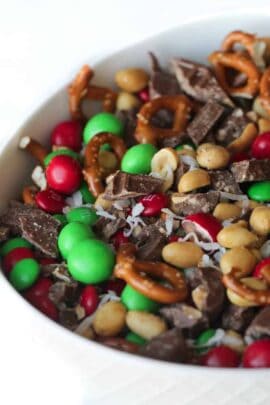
{"points": [[70, 336]]}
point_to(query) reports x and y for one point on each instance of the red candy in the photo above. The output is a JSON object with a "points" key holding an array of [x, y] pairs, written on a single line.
{"points": [[39, 289], [260, 148], [89, 299], [15, 256], [206, 225], [153, 204], [173, 238], [257, 354], [37, 295], [144, 95], [50, 201], [238, 157], [68, 134], [119, 239], [64, 174], [221, 356], [116, 286], [258, 269]]}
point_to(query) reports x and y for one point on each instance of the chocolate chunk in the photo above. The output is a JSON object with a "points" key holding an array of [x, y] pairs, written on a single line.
{"points": [[172, 141], [223, 180], [169, 346], [57, 270], [185, 317], [208, 292], [106, 227], [204, 121], [123, 186], [161, 83], [11, 216], [198, 81], [251, 170], [181, 169], [237, 318], [231, 127], [260, 326], [68, 318], [63, 292], [129, 120], [150, 241], [194, 203], [4, 233]]}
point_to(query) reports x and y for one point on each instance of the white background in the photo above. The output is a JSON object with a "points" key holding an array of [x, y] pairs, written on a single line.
{"points": [[42, 43]]}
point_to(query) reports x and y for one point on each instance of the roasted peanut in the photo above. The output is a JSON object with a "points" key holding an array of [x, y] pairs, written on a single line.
{"points": [[233, 340], [145, 324], [182, 254], [239, 257], [226, 211], [101, 202], [251, 204], [164, 163], [211, 156], [251, 282], [192, 180], [132, 79], [260, 220], [109, 319], [126, 101], [107, 161], [264, 125], [236, 236], [245, 139], [199, 296]]}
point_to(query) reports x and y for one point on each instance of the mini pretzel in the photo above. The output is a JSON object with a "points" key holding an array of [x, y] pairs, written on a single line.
{"points": [[147, 133], [231, 281], [134, 273], [80, 90], [29, 194], [264, 97], [92, 171], [222, 61], [33, 147]]}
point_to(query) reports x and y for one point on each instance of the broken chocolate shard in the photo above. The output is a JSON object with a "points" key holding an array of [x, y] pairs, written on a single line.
{"points": [[150, 241], [194, 203], [123, 186], [107, 227], [251, 170], [205, 121], [231, 127], [223, 180], [260, 326], [237, 318], [129, 120], [198, 81]]}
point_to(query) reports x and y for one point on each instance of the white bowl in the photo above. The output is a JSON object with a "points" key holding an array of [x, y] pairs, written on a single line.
{"points": [[108, 376]]}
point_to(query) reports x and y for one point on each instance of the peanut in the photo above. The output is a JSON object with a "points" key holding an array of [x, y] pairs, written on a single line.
{"points": [[211, 156], [260, 220], [145, 324], [233, 340], [192, 180], [164, 163], [182, 254], [264, 125], [132, 79], [109, 319], [126, 101], [101, 202], [236, 236], [226, 211], [239, 257], [251, 282], [244, 141]]}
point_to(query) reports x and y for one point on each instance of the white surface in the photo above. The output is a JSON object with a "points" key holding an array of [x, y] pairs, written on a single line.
{"points": [[42, 44]]}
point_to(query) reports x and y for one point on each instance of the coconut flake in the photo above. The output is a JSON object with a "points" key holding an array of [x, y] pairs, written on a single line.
{"points": [[75, 200], [121, 204], [233, 197], [206, 261], [227, 222], [217, 255], [171, 213], [137, 210], [189, 161], [217, 338], [208, 246], [169, 225], [24, 142], [133, 222], [102, 213], [156, 175], [265, 249], [39, 178]]}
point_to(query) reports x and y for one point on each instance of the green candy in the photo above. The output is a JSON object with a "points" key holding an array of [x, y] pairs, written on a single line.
{"points": [[202, 340], [186, 145], [260, 191], [102, 122], [84, 215], [58, 152], [24, 274], [13, 244], [91, 261], [135, 301], [134, 338], [87, 196], [61, 218], [71, 234], [137, 159]]}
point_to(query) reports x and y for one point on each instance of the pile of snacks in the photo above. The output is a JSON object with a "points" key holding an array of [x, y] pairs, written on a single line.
{"points": [[146, 226]]}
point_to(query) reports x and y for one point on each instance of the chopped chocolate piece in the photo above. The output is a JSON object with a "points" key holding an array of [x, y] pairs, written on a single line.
{"points": [[57, 270], [150, 241], [198, 81], [231, 127], [237, 318], [194, 203], [251, 170], [181, 169], [123, 186], [223, 180], [68, 318], [260, 326], [41, 229], [172, 141], [185, 317], [208, 291], [129, 119], [204, 121], [106, 227], [11, 216], [161, 83], [62, 292], [169, 346], [4, 233]]}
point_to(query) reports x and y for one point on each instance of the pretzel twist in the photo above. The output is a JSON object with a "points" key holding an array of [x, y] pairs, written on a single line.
{"points": [[29, 194], [224, 60], [92, 171], [80, 89], [264, 97], [245, 39], [147, 133], [134, 272], [34, 148], [231, 281]]}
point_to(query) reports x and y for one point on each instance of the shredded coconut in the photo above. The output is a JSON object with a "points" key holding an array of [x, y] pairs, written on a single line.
{"points": [[233, 197], [265, 249], [171, 213], [120, 204], [206, 261], [217, 338], [133, 222], [156, 175], [208, 246], [137, 210], [102, 213], [169, 225], [24, 142], [227, 222], [75, 200], [39, 178], [189, 161]]}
